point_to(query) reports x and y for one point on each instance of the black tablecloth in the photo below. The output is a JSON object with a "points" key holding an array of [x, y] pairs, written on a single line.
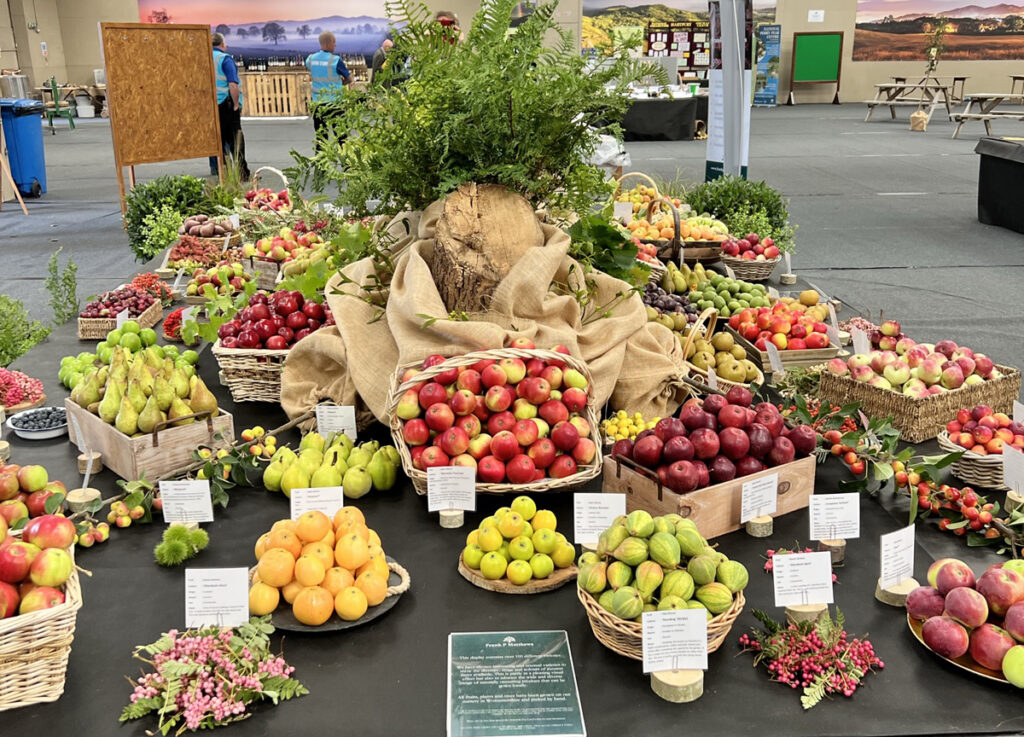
{"points": [[388, 677], [1001, 183], [662, 120]]}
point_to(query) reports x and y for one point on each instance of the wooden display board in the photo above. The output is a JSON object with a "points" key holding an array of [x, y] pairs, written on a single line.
{"points": [[161, 92], [817, 59]]}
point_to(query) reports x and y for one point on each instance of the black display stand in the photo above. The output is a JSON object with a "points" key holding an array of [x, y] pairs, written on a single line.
{"points": [[1001, 183]]}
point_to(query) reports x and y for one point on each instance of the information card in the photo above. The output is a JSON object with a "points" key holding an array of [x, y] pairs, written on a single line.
{"points": [[774, 358], [861, 344], [1018, 411], [186, 501], [802, 578], [1013, 469], [835, 516], [216, 597], [594, 513], [897, 557], [760, 497], [335, 418], [712, 378], [675, 639], [121, 318], [326, 499], [451, 487], [512, 684], [623, 211]]}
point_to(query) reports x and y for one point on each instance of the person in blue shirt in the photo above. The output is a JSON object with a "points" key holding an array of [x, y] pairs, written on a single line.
{"points": [[229, 107], [329, 74]]}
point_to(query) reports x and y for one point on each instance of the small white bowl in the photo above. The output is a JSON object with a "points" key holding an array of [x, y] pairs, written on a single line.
{"points": [[54, 432]]}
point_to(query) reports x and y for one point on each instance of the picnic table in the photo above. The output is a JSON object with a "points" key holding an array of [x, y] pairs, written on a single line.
{"points": [[955, 79], [984, 107], [930, 93], [1014, 79]]}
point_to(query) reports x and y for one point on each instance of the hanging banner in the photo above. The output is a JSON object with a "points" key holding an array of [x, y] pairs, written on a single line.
{"points": [[769, 48], [715, 156]]}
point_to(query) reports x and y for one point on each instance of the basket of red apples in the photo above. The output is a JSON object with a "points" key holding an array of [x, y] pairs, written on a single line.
{"points": [[524, 418], [982, 433], [975, 623], [751, 258], [40, 597], [252, 346], [99, 317]]}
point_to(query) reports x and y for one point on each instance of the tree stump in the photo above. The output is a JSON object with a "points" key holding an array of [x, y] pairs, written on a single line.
{"points": [[482, 233]]}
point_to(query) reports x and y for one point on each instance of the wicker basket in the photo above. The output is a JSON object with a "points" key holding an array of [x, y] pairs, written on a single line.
{"points": [[985, 471], [252, 375], [751, 270], [419, 478], [34, 650], [223, 242], [96, 328], [658, 270], [700, 329], [625, 637], [921, 419], [639, 174], [280, 174]]}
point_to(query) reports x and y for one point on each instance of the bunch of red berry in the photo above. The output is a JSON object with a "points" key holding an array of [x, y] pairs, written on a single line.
{"points": [[16, 387], [301, 227], [847, 454], [151, 283], [963, 510]]}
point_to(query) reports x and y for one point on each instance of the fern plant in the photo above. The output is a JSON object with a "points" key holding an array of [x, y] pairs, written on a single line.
{"points": [[63, 288], [503, 106]]}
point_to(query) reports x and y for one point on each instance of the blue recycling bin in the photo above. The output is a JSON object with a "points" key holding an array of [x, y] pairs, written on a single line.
{"points": [[23, 130]]}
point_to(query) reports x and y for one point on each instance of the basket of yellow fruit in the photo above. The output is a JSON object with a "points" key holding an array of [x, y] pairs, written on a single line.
{"points": [[705, 351], [693, 239], [624, 426], [639, 195]]}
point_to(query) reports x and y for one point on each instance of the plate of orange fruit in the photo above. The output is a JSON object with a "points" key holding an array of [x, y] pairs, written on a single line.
{"points": [[317, 574]]}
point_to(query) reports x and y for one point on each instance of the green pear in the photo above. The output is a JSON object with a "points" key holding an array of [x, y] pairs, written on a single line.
{"points": [[294, 477], [127, 420], [285, 453], [312, 440], [167, 369], [87, 390], [381, 471], [201, 399], [135, 395], [357, 483], [310, 460], [111, 404], [179, 382], [150, 415], [325, 476], [272, 475], [153, 359], [163, 391], [359, 457], [343, 440], [179, 409]]}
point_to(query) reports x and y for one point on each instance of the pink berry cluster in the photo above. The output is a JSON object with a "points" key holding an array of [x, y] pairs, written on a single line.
{"points": [[802, 659], [229, 677], [770, 555], [16, 387]]}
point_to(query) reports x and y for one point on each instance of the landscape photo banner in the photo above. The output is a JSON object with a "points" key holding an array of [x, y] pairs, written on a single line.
{"points": [[601, 16], [270, 28], [903, 31]]}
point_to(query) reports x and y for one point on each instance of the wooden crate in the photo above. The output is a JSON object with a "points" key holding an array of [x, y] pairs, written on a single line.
{"points": [[714, 509], [96, 328], [157, 454], [790, 359], [276, 94]]}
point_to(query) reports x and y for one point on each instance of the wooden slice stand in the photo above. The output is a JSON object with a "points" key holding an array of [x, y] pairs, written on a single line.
{"points": [[678, 686], [5, 451], [1013, 501], [760, 526], [24, 406], [896, 595], [837, 549], [80, 499], [97, 462], [798, 613], [558, 578], [452, 518]]}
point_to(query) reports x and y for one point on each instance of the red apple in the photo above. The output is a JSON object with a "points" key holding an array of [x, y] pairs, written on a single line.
{"points": [[501, 421], [584, 452], [734, 443], [434, 456], [553, 412], [416, 432], [520, 469], [535, 367], [988, 646], [526, 432], [504, 446], [537, 391], [722, 469], [16, 560], [497, 399], [733, 415], [925, 602], [552, 375], [52, 567], [574, 399], [42, 597], [32, 478], [563, 466], [565, 436], [13, 510], [9, 486], [542, 452], [50, 531], [748, 465], [705, 443], [470, 424], [682, 477], [439, 417], [739, 395], [952, 574], [1002, 588], [514, 368], [9, 599], [453, 441], [624, 448], [490, 470], [966, 606], [647, 450], [676, 448], [432, 393]]}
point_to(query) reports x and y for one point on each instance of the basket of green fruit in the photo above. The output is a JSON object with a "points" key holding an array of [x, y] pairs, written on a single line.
{"points": [[705, 351]]}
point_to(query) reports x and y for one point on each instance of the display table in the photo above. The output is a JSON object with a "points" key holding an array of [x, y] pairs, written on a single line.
{"points": [[1001, 183], [388, 677], [662, 119]]}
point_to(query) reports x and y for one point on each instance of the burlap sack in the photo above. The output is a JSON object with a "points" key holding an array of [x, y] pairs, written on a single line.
{"points": [[634, 363]]}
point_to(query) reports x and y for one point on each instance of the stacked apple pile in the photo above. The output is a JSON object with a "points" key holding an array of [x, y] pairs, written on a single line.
{"points": [[887, 335], [717, 440], [646, 251], [24, 491], [267, 199], [514, 421], [280, 247], [984, 432], [918, 369], [751, 248], [962, 615], [276, 322], [226, 277], [789, 328], [109, 304], [34, 568]]}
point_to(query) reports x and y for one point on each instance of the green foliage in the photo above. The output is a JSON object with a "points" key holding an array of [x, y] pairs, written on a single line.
{"points": [[184, 194], [598, 244], [161, 230], [18, 332], [500, 107], [734, 199], [63, 288], [179, 544]]}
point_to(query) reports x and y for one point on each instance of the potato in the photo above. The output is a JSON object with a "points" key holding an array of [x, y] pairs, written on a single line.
{"points": [[218, 230], [201, 218], [206, 231], [181, 230], [194, 230]]}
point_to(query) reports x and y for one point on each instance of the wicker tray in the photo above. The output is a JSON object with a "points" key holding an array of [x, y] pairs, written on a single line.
{"points": [[751, 270], [698, 328], [678, 250], [252, 375], [419, 478], [34, 649], [223, 242], [921, 419], [96, 328], [984, 471], [790, 359], [626, 637]]}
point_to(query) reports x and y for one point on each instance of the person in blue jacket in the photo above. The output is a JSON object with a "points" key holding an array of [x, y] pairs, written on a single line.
{"points": [[229, 107], [329, 75]]}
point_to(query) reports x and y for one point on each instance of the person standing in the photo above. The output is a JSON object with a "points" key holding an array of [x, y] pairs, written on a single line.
{"points": [[329, 75], [379, 57], [229, 108]]}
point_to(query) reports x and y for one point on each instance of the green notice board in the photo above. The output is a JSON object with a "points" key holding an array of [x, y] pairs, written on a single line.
{"points": [[817, 57]]}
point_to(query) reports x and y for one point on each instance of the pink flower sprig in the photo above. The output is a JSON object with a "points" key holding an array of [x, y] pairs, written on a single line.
{"points": [[16, 387], [769, 556], [207, 678]]}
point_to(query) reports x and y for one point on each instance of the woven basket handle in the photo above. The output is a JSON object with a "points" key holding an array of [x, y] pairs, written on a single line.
{"points": [[256, 174], [710, 316], [163, 424], [677, 242], [640, 174]]}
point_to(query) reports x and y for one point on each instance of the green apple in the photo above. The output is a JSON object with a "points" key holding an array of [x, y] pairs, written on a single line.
{"points": [[472, 555], [525, 506], [542, 565], [545, 540], [519, 572], [1013, 665], [520, 548], [493, 565], [564, 554]]}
